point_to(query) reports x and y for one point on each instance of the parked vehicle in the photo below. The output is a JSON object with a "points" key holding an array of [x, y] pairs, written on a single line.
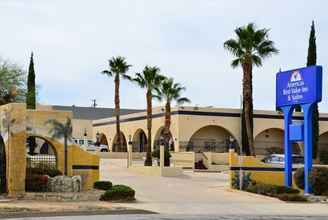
{"points": [[280, 159], [91, 146]]}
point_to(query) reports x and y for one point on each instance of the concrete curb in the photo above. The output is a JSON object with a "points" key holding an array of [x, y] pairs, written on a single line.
{"points": [[255, 195], [73, 213]]}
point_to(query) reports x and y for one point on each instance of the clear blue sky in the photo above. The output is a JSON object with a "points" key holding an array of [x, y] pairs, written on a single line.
{"points": [[72, 41]]}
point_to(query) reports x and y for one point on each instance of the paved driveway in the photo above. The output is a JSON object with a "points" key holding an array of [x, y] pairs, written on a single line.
{"points": [[199, 194]]}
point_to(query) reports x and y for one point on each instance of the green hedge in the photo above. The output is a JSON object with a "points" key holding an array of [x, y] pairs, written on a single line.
{"points": [[292, 197], [102, 185], [118, 193], [271, 190], [318, 179], [49, 171]]}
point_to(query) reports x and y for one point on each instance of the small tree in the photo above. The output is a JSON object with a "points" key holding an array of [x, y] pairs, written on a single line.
{"points": [[62, 130], [312, 60], [30, 96], [12, 83]]}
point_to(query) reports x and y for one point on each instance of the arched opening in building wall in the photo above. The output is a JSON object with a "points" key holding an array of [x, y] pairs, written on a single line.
{"points": [[139, 141], [160, 135], [3, 174], [116, 147], [271, 141], [103, 139], [211, 138], [44, 153]]}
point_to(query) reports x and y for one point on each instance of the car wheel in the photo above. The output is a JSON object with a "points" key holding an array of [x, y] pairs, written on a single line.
{"points": [[103, 150]]}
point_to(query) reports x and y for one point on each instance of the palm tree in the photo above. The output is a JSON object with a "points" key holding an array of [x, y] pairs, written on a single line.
{"points": [[170, 91], [249, 48], [62, 130], [149, 79], [118, 68]]}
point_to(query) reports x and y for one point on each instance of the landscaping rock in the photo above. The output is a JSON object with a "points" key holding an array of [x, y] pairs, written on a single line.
{"points": [[65, 184]]}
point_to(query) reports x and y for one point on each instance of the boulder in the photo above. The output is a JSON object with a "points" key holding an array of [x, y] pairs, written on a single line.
{"points": [[65, 184]]}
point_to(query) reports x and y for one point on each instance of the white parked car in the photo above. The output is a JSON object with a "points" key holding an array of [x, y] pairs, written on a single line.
{"points": [[280, 159], [89, 145]]}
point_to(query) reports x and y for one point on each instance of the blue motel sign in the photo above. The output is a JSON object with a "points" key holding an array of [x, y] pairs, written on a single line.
{"points": [[298, 87]]}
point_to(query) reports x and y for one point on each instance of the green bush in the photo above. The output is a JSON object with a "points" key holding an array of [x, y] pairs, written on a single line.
{"points": [[118, 193], [318, 179], [102, 185], [299, 178], [271, 190], [292, 197], [36, 183], [43, 170], [247, 181]]}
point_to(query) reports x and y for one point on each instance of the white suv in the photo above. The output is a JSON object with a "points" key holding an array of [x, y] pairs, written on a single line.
{"points": [[89, 145]]}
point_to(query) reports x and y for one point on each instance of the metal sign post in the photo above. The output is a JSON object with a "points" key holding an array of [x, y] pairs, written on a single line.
{"points": [[298, 87]]}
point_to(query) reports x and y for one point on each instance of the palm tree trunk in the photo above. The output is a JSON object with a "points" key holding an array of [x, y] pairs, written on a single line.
{"points": [[248, 105], [118, 143], [167, 125], [148, 161], [65, 156]]}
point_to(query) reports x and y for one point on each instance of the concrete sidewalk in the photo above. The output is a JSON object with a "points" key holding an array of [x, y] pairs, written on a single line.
{"points": [[199, 194]]}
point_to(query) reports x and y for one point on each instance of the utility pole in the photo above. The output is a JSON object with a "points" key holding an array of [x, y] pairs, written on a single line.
{"points": [[94, 103]]}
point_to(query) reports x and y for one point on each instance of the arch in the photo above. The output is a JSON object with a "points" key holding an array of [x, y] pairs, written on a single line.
{"points": [[116, 146], [103, 139], [160, 134], [44, 152], [139, 141], [271, 141], [212, 138], [3, 165]]}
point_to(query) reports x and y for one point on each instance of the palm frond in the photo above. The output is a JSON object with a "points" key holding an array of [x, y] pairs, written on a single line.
{"points": [[108, 73], [182, 100]]}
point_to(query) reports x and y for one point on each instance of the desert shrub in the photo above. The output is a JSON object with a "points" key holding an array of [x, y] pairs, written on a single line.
{"points": [[102, 185], [292, 197], [299, 178], [318, 179], [167, 156], [324, 156], [118, 193], [36, 183], [247, 181], [44, 170], [271, 190]]}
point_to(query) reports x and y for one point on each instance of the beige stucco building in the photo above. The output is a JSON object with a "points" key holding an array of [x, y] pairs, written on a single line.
{"points": [[203, 129]]}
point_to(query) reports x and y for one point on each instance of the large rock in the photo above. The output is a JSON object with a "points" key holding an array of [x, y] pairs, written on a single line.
{"points": [[65, 184]]}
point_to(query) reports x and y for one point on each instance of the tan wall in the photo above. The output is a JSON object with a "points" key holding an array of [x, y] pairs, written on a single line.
{"points": [[80, 127], [185, 126], [15, 141], [32, 122]]}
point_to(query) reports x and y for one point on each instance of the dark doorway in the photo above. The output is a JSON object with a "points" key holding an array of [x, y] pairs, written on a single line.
{"points": [[3, 180]]}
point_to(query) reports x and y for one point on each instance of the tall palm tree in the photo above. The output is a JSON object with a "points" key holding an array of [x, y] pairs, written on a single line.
{"points": [[169, 91], [62, 130], [150, 79], [118, 68], [249, 48]]}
